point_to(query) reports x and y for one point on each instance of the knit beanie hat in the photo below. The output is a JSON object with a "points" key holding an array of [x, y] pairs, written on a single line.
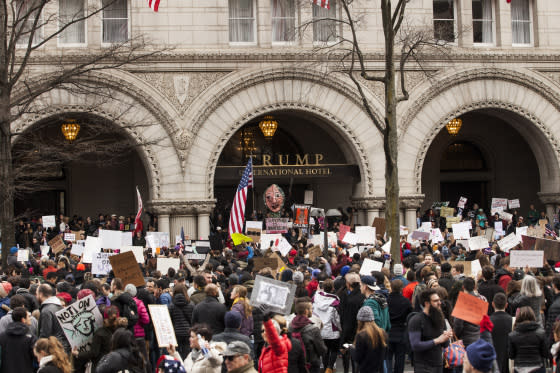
{"points": [[232, 320], [481, 355], [298, 277], [344, 270], [398, 269], [315, 273], [84, 293], [365, 314], [130, 289]]}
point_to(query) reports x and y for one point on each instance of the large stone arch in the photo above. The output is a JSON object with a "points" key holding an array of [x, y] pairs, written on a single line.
{"points": [[529, 104], [236, 100], [142, 120]]}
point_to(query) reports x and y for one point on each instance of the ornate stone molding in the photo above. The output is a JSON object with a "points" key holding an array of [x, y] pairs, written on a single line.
{"points": [[549, 198], [179, 207], [411, 201], [369, 203], [495, 104], [351, 137]]}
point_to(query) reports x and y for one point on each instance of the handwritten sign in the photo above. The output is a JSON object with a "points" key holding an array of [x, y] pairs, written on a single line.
{"points": [[506, 216], [126, 268], [165, 333], [514, 204], [447, 211], [23, 255], [551, 248], [157, 239], [498, 205], [101, 265], [365, 234], [195, 256], [163, 264], [350, 238], [49, 221], [276, 225], [138, 252], [276, 294], [380, 226], [314, 252], [470, 308], [69, 237], [269, 240], [435, 235], [420, 235], [260, 263], [342, 230], [369, 266], [452, 220], [79, 321], [57, 244], [92, 247], [508, 242], [478, 243], [526, 258], [475, 268]]}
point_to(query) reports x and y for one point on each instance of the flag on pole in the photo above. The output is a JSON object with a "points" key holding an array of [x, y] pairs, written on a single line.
{"points": [[322, 3], [154, 4], [138, 226], [182, 236], [237, 214], [549, 231]]}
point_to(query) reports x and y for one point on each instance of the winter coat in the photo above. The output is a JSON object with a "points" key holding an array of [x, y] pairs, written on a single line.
{"points": [[198, 296], [100, 346], [143, 319], [502, 327], [4, 302], [245, 369], [7, 320], [119, 301], [48, 323], [210, 312], [311, 336], [181, 315], [368, 359], [325, 307], [296, 358], [379, 306], [466, 331], [246, 320], [399, 309], [117, 360], [197, 363], [274, 357], [552, 315], [16, 343], [488, 289], [533, 302], [527, 345], [49, 368], [350, 303]]}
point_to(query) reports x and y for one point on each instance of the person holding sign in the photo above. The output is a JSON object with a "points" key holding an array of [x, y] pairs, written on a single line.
{"points": [[204, 357], [527, 343]]}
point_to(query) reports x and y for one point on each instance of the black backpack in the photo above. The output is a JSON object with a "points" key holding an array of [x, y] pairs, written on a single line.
{"points": [[130, 311]]}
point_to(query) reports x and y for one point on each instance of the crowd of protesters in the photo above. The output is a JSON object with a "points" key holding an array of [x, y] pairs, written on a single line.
{"points": [[374, 322]]}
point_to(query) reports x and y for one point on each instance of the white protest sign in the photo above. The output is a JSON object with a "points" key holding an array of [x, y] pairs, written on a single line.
{"points": [[521, 231], [461, 230], [526, 258], [435, 235], [498, 205], [316, 239], [160, 239], [101, 264], [506, 216], [23, 255], [92, 247], [277, 294], [366, 234], [426, 226], [138, 252], [178, 240], [196, 256], [266, 239], [78, 248], [79, 321], [69, 237], [110, 239], [387, 246], [508, 242], [151, 243], [464, 243], [350, 238], [478, 243], [126, 239], [353, 250], [163, 264], [284, 246], [514, 204], [253, 225], [165, 333], [49, 221], [369, 266], [475, 267], [499, 227], [462, 202], [403, 231], [45, 250]]}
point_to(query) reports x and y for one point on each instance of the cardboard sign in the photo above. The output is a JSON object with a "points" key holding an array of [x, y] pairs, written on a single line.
{"points": [[301, 216], [49, 221], [461, 230], [447, 211], [462, 202], [23, 255], [514, 204], [420, 235], [165, 333], [138, 252], [69, 237], [350, 238], [508, 242], [163, 264], [470, 308], [126, 268], [276, 294], [380, 226], [101, 265], [260, 263], [526, 258], [369, 266], [498, 205], [57, 244], [543, 222], [196, 256], [314, 252], [387, 246], [276, 225], [253, 229], [452, 220], [478, 243], [551, 248], [366, 234], [79, 321]]}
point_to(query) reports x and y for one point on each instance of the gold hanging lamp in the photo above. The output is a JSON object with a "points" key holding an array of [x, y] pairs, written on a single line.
{"points": [[453, 126], [268, 126], [70, 129]]}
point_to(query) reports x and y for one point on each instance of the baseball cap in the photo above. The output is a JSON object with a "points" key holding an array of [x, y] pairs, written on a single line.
{"points": [[370, 282], [237, 348]]}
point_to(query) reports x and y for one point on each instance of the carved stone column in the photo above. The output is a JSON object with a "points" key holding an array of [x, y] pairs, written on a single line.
{"points": [[370, 206], [551, 202], [410, 204], [203, 210]]}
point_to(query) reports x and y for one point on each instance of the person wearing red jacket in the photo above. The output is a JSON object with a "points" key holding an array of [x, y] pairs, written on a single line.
{"points": [[274, 356]]}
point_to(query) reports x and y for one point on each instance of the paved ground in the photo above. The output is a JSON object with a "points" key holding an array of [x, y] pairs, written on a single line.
{"points": [[407, 369]]}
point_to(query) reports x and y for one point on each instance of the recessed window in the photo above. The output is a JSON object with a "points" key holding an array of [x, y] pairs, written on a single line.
{"points": [[521, 23], [27, 12], [444, 20], [241, 21], [71, 14], [325, 23], [115, 21], [483, 21], [283, 21]]}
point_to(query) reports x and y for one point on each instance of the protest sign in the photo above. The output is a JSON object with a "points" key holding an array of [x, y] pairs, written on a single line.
{"points": [[526, 258], [101, 265], [342, 230], [23, 255], [387, 246], [45, 250], [521, 231], [308, 197], [202, 246], [126, 268], [284, 246], [276, 225], [49, 221], [470, 308], [452, 220], [478, 243], [79, 321], [78, 248], [528, 242], [138, 252], [462, 202], [551, 248], [109, 239], [157, 239], [165, 333], [163, 264], [196, 256], [499, 228], [314, 252], [489, 234], [435, 235], [380, 226], [260, 263], [403, 231], [253, 229], [57, 244], [447, 211], [301, 216], [369, 266], [438, 205], [426, 226], [92, 247], [508, 242], [126, 238], [69, 237], [475, 268], [498, 205], [269, 240], [350, 238], [353, 250], [365, 234], [420, 235], [461, 230], [276, 294], [464, 243], [514, 204]]}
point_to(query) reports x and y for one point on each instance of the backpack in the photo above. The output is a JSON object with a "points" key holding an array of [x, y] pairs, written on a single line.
{"points": [[299, 335], [130, 311], [406, 338]]}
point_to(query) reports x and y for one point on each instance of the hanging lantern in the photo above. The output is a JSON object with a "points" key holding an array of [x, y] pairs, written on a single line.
{"points": [[70, 129], [268, 126], [453, 126]]}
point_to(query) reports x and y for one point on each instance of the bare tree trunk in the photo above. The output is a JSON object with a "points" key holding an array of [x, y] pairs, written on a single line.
{"points": [[7, 190]]}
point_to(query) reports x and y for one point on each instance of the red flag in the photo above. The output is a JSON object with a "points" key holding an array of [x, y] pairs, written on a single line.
{"points": [[138, 226], [154, 4], [325, 3]]}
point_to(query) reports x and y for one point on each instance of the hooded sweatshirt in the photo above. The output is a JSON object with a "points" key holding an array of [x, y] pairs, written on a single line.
{"points": [[325, 307]]}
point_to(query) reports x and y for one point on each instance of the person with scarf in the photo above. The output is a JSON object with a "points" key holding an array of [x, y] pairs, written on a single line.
{"points": [[204, 357], [310, 335]]}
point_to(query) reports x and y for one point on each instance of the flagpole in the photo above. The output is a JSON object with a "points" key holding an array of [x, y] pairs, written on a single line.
{"points": [[253, 189]]}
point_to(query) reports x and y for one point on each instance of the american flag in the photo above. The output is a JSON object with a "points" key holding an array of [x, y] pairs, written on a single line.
{"points": [[237, 215], [154, 4], [322, 3], [138, 226], [548, 231]]}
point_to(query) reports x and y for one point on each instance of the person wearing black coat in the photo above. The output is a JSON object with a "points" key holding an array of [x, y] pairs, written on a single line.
{"points": [[231, 334], [553, 310], [399, 309], [124, 355], [488, 287], [502, 327], [181, 312], [210, 311], [527, 345], [351, 300], [16, 343]]}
